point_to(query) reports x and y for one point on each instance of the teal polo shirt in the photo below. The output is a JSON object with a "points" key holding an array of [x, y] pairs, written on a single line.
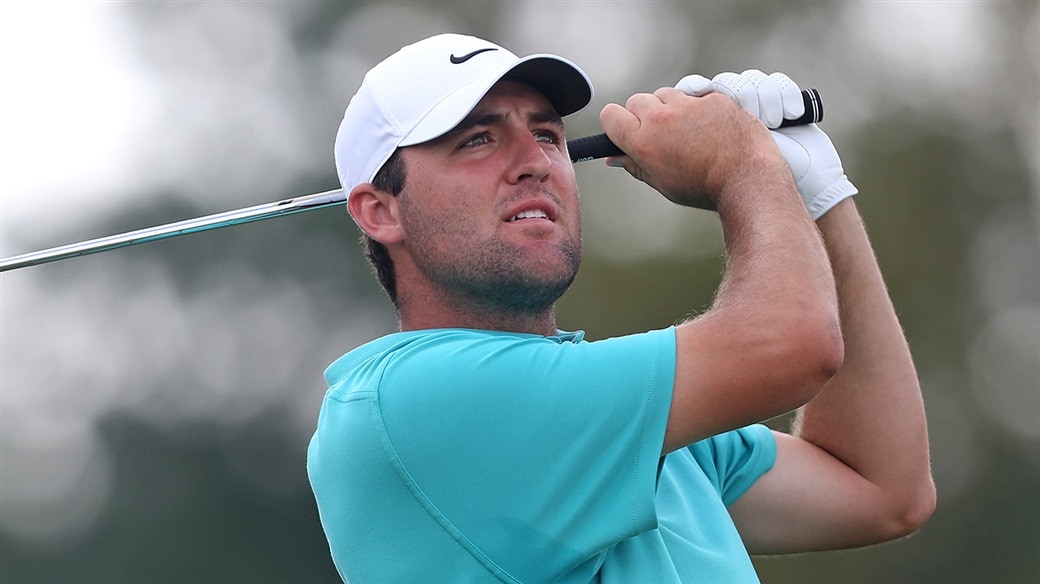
{"points": [[456, 455]]}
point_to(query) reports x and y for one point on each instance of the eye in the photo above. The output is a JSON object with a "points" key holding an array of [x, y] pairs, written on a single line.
{"points": [[476, 140], [548, 136]]}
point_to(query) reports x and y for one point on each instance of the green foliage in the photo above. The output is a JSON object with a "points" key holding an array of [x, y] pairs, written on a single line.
{"points": [[950, 189]]}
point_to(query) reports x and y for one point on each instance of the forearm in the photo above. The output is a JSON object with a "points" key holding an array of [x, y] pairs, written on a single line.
{"points": [[771, 338], [871, 414], [776, 263]]}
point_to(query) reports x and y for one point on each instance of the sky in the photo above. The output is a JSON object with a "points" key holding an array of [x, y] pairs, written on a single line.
{"points": [[75, 105]]}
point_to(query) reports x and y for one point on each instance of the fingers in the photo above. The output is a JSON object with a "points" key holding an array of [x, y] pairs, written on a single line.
{"points": [[695, 85], [755, 92], [791, 96], [683, 146], [620, 123], [641, 102], [644, 102], [684, 140], [770, 98]]}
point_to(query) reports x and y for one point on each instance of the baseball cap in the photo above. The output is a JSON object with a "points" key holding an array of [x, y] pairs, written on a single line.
{"points": [[425, 89]]}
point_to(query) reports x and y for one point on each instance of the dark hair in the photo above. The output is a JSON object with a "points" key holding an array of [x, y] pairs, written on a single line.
{"points": [[390, 179]]}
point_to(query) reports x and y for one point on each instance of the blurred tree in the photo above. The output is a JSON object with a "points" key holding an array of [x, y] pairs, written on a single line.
{"points": [[247, 317]]}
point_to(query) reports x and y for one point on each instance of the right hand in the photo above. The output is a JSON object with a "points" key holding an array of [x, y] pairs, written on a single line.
{"points": [[690, 149]]}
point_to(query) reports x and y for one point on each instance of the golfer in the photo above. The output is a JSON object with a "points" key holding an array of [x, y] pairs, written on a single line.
{"points": [[481, 444]]}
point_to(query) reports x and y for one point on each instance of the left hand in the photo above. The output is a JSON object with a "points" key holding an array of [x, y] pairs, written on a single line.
{"points": [[809, 152]]}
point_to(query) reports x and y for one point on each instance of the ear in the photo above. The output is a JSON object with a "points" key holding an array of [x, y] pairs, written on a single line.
{"points": [[376, 212]]}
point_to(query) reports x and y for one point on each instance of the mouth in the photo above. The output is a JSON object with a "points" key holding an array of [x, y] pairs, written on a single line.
{"points": [[528, 214], [532, 209]]}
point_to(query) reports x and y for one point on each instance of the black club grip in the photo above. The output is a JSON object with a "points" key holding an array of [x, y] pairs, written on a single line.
{"points": [[599, 146]]}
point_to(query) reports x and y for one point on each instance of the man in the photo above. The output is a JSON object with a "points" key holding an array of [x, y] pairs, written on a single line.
{"points": [[481, 444]]}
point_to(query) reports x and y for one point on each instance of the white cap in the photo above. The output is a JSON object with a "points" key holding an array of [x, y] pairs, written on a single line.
{"points": [[425, 89]]}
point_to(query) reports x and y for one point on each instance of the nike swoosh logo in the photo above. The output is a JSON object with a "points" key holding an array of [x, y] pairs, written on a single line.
{"points": [[459, 60]]}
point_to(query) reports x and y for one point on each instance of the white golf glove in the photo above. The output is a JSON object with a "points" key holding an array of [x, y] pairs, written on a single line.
{"points": [[813, 160]]}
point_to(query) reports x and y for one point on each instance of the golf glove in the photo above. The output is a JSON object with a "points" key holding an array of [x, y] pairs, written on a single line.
{"points": [[810, 154]]}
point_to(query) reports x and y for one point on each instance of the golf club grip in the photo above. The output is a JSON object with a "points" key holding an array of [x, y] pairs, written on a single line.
{"points": [[600, 146]]}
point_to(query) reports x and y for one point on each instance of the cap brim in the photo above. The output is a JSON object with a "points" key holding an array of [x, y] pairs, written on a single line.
{"points": [[563, 83]]}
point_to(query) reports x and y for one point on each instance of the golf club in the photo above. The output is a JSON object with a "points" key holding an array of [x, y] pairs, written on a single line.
{"points": [[581, 149]]}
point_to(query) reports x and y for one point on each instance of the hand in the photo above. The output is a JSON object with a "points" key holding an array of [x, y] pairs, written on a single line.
{"points": [[689, 149], [810, 154]]}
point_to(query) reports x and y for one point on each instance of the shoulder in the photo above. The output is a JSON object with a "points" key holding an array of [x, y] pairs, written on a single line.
{"points": [[449, 355]]}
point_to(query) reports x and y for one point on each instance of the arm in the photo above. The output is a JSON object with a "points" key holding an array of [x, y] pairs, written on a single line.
{"points": [[854, 470], [771, 338]]}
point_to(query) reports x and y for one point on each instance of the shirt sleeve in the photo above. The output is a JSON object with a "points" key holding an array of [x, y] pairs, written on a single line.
{"points": [[534, 451], [734, 460]]}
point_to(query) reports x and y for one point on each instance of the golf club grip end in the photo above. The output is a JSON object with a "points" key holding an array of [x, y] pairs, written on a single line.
{"points": [[813, 109], [599, 146], [591, 147]]}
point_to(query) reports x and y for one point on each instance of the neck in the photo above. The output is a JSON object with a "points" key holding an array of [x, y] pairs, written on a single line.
{"points": [[429, 311]]}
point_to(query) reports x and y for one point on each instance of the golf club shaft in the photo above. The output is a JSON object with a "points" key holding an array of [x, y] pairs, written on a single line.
{"points": [[196, 225], [581, 149]]}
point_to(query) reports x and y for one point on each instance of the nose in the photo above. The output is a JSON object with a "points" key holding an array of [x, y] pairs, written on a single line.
{"points": [[530, 161]]}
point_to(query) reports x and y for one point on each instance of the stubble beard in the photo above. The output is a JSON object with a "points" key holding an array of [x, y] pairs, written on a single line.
{"points": [[494, 276], [499, 279]]}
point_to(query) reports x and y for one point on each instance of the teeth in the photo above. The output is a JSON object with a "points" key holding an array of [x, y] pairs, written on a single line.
{"points": [[533, 214]]}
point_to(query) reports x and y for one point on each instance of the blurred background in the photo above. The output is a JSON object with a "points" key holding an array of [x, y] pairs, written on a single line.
{"points": [[156, 401]]}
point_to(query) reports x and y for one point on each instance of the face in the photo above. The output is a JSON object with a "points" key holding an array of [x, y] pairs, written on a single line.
{"points": [[490, 210]]}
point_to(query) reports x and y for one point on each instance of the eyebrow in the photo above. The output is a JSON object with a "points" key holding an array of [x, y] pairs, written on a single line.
{"points": [[476, 119]]}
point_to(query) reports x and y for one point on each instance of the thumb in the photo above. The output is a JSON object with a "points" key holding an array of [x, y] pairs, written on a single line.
{"points": [[695, 85]]}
